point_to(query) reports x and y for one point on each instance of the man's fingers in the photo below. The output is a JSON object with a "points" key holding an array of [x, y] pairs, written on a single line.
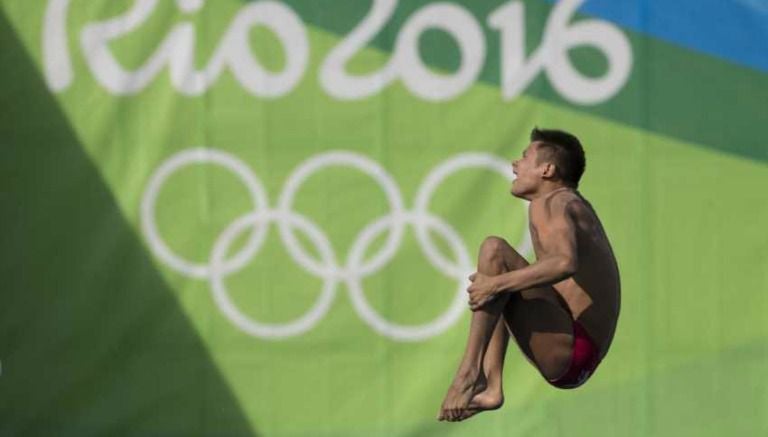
{"points": [[475, 305], [473, 276], [472, 305]]}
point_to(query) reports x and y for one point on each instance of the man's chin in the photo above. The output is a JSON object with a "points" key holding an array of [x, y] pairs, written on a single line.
{"points": [[517, 192]]}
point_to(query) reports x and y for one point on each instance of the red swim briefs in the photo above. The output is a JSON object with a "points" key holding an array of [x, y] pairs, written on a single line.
{"points": [[584, 360]]}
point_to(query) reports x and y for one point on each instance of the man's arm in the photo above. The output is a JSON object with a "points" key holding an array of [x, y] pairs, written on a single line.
{"points": [[558, 258]]}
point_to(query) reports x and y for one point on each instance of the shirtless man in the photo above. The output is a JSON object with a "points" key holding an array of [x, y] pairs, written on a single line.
{"points": [[562, 309]]}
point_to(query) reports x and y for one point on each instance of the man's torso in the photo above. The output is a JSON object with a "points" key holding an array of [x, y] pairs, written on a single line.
{"points": [[593, 293]]}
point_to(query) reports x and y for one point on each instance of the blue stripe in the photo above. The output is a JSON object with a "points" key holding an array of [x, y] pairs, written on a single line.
{"points": [[736, 30]]}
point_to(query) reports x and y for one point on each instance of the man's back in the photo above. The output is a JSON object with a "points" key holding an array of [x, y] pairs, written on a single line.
{"points": [[593, 293]]}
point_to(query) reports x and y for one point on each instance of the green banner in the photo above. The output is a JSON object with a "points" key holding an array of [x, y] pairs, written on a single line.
{"points": [[257, 217]]}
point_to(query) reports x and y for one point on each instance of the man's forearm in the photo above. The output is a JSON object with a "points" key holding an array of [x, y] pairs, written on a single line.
{"points": [[545, 272]]}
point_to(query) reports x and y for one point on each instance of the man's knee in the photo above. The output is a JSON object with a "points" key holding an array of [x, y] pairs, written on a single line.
{"points": [[492, 249], [496, 250], [493, 244]]}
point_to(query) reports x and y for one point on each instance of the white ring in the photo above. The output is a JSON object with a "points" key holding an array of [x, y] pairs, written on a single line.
{"points": [[219, 289], [355, 269], [200, 155], [345, 159], [404, 332], [436, 177]]}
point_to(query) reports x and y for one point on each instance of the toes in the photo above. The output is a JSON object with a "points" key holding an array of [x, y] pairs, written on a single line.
{"points": [[466, 414]]}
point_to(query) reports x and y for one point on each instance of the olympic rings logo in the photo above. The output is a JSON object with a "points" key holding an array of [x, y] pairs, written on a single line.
{"points": [[328, 268]]}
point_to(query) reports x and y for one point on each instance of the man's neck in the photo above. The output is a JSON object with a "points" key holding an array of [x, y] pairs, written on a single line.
{"points": [[548, 188]]}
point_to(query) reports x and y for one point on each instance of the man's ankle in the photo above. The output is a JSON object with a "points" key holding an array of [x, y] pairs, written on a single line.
{"points": [[493, 379], [470, 369]]}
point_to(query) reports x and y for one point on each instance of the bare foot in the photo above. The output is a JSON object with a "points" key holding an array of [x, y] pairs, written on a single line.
{"points": [[464, 388], [491, 398]]}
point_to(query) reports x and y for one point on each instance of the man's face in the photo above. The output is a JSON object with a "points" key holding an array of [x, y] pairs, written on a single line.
{"points": [[529, 174]]}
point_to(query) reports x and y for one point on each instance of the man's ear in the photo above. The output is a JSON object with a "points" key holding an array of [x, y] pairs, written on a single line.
{"points": [[550, 170]]}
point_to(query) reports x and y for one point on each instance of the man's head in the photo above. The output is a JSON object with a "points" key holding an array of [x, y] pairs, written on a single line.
{"points": [[553, 158]]}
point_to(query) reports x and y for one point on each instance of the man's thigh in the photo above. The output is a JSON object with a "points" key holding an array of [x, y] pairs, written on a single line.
{"points": [[540, 322], [542, 329]]}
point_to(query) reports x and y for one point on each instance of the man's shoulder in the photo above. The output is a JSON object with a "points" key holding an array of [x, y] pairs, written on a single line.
{"points": [[557, 203]]}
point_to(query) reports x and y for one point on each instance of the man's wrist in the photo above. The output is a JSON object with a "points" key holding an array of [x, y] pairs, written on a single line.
{"points": [[498, 284], [502, 283]]}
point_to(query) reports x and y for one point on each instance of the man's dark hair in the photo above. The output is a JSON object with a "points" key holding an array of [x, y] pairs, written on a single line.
{"points": [[562, 149]]}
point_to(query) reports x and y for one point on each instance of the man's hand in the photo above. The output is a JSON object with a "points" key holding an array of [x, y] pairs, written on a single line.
{"points": [[483, 289]]}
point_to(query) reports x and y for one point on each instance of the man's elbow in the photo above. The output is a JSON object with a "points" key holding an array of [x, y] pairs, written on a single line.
{"points": [[567, 266]]}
